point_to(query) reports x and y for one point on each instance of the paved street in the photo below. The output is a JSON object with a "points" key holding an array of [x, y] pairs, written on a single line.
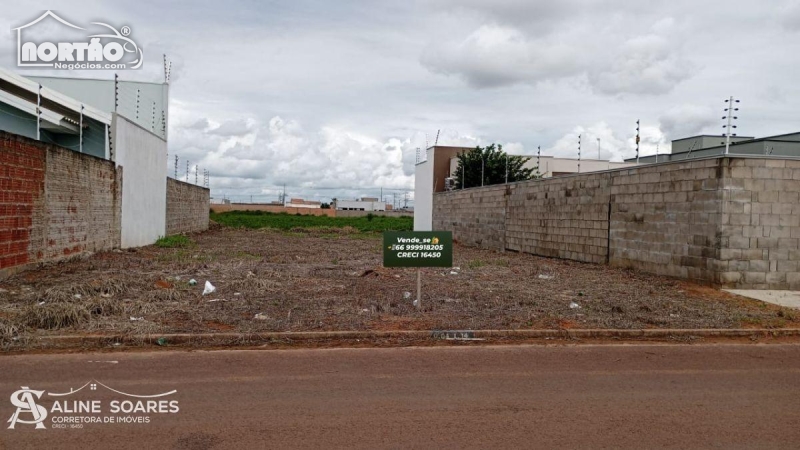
{"points": [[636, 396]]}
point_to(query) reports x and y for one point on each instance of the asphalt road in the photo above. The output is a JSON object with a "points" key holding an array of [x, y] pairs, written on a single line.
{"points": [[653, 396]]}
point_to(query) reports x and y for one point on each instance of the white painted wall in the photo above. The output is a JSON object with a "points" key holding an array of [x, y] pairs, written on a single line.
{"points": [[143, 157], [423, 194]]}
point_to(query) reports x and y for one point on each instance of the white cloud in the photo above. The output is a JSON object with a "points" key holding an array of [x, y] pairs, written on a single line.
{"points": [[688, 120], [789, 16], [494, 56], [614, 58], [247, 157], [234, 127], [645, 65], [612, 146]]}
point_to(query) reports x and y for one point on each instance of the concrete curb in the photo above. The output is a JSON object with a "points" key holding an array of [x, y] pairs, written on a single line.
{"points": [[254, 338]]}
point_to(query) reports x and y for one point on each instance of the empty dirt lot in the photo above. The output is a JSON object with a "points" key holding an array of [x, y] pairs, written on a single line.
{"points": [[268, 280]]}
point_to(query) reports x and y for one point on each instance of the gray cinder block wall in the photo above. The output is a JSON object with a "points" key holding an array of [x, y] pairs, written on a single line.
{"points": [[760, 226], [665, 219], [561, 217], [475, 216], [187, 207], [728, 221]]}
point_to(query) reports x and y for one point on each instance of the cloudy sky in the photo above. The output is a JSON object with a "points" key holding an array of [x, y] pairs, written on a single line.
{"points": [[333, 98]]}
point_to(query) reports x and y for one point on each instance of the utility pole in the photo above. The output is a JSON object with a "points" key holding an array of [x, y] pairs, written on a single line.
{"points": [[579, 153], [176, 167], [637, 141]]}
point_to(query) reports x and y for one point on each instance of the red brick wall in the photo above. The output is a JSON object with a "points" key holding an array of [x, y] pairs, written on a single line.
{"points": [[54, 202], [21, 190]]}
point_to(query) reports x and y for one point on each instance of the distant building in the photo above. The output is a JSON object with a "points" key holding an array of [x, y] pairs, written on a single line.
{"points": [[362, 204], [711, 145], [300, 203]]}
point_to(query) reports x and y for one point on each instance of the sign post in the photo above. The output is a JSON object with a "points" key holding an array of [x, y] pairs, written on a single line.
{"points": [[418, 249]]}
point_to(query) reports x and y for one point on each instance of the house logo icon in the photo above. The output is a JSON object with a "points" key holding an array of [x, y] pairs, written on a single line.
{"points": [[23, 399], [109, 48]]}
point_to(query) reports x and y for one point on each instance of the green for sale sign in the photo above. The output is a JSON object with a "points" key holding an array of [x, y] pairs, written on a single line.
{"points": [[417, 249]]}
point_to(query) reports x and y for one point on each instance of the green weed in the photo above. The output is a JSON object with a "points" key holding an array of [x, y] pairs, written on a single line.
{"points": [[287, 223], [174, 241]]}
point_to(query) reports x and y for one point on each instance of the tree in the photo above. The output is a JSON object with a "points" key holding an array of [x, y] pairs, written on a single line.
{"points": [[325, 206], [490, 163]]}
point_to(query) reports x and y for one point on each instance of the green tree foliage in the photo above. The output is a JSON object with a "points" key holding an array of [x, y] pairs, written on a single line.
{"points": [[493, 167]]}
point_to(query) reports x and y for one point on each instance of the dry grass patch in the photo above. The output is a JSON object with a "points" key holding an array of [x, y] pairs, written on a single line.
{"points": [[268, 280], [52, 316]]}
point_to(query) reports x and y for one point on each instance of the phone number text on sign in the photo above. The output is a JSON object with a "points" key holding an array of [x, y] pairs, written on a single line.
{"points": [[418, 249]]}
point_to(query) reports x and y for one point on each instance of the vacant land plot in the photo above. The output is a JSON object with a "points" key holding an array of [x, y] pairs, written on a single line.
{"points": [[270, 280], [260, 219]]}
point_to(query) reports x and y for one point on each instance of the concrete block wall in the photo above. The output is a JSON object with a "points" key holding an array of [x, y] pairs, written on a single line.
{"points": [[54, 203], [475, 216], [187, 207], [728, 221], [83, 201], [564, 217], [665, 219], [760, 225]]}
